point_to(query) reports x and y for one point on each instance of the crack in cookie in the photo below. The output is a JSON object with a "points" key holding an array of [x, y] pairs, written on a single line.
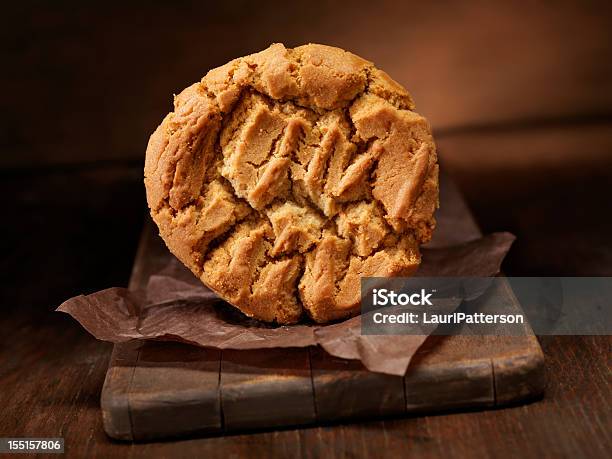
{"points": [[283, 177]]}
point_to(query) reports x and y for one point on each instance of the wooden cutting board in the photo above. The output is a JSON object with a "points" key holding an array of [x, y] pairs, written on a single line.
{"points": [[158, 389]]}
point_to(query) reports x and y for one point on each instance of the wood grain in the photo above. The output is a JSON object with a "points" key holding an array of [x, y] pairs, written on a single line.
{"points": [[266, 388], [177, 385], [345, 389], [573, 420], [115, 404]]}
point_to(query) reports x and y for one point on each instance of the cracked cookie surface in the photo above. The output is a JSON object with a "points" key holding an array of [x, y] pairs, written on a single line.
{"points": [[283, 177]]}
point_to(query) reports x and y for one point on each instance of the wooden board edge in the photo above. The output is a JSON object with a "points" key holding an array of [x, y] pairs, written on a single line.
{"points": [[435, 388], [519, 377], [115, 410], [340, 385], [281, 399], [114, 399]]}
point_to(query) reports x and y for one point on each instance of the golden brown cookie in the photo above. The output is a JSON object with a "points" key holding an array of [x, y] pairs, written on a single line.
{"points": [[283, 177]]}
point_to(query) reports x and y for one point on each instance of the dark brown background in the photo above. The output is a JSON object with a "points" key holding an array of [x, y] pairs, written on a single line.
{"points": [[520, 98]]}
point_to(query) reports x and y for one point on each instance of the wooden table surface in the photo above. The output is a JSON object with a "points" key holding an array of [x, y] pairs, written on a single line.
{"points": [[520, 104], [52, 375], [51, 371]]}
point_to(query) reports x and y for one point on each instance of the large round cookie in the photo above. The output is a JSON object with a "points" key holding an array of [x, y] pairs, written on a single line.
{"points": [[283, 177]]}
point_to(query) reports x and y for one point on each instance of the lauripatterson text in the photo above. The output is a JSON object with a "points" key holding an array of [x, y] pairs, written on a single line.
{"points": [[443, 318]]}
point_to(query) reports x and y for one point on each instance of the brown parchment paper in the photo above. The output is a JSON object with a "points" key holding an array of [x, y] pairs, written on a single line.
{"points": [[176, 306]]}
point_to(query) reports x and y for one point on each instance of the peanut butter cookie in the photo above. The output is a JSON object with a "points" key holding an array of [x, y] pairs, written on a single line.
{"points": [[283, 177]]}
